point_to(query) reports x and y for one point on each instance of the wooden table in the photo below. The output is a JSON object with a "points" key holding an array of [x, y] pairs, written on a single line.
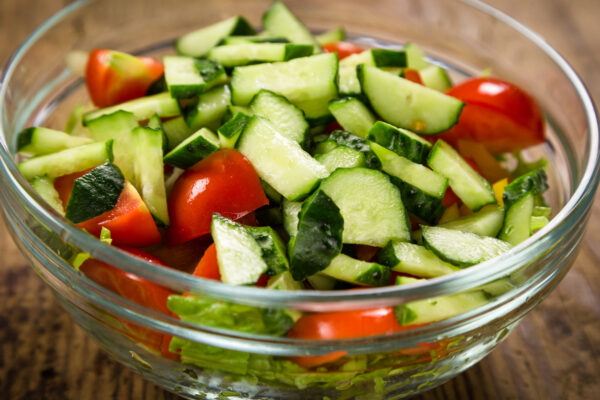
{"points": [[553, 354]]}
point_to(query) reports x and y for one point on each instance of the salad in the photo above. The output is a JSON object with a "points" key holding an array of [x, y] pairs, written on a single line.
{"points": [[290, 161]]}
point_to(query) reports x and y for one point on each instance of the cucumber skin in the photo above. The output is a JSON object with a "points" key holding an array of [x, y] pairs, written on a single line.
{"points": [[421, 204], [534, 182], [273, 248], [95, 193], [354, 142], [319, 236], [377, 275], [387, 136]]}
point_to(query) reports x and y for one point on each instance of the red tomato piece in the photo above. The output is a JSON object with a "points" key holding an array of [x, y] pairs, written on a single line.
{"points": [[344, 49], [342, 325], [449, 198], [113, 77], [129, 222], [413, 75], [208, 267], [224, 182], [498, 114], [262, 281]]}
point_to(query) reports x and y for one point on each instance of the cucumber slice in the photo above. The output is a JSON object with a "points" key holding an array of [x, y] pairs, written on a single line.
{"points": [[486, 222], [331, 36], [435, 77], [234, 55], [278, 20], [415, 57], [349, 140], [290, 211], [232, 111], [273, 248], [517, 220], [348, 82], [308, 82], [40, 141], [352, 115], [279, 161], [284, 281], [199, 42], [286, 118], [209, 109], [187, 77], [341, 157], [44, 186], [462, 249], [534, 182], [468, 185], [67, 161], [382, 58], [373, 215], [273, 195], [176, 131], [149, 171], [319, 236], [401, 141], [407, 104], [413, 259], [142, 109], [95, 193], [357, 272], [193, 149], [117, 126], [252, 39], [238, 254], [230, 131], [322, 282]]}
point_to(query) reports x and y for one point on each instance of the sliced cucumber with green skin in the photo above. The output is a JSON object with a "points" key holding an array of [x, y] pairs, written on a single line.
{"points": [[232, 111], [273, 248], [435, 77], [284, 281], [290, 211], [415, 57], [286, 118], [352, 115], [95, 193], [407, 104], [409, 258], [462, 249], [318, 238], [156, 123], [39, 141], [142, 108], [67, 161], [176, 131], [231, 130], [331, 36], [370, 204], [419, 203], [401, 141], [485, 222], [199, 42], [252, 39], [44, 186], [209, 109], [308, 82], [436, 308], [234, 55], [193, 149], [117, 126], [322, 282], [341, 157], [354, 142], [362, 273], [517, 220], [381, 58], [534, 182], [149, 171], [238, 254], [279, 161], [466, 183], [187, 77], [348, 83], [537, 222], [278, 20]]}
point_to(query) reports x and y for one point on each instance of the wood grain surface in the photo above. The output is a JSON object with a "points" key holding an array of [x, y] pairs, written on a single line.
{"points": [[553, 354]]}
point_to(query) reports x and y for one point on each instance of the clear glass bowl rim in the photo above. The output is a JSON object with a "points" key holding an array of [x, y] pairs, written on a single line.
{"points": [[573, 211]]}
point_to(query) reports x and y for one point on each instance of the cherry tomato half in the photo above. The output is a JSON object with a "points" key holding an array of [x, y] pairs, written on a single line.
{"points": [[344, 49], [224, 182], [113, 77], [498, 114]]}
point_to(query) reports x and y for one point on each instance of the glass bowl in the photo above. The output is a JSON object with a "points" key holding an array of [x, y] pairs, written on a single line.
{"points": [[466, 37]]}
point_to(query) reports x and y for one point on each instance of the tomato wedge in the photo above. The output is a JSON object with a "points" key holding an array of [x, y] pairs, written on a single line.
{"points": [[344, 49], [224, 182], [498, 114], [208, 267], [113, 77], [129, 222], [342, 325]]}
